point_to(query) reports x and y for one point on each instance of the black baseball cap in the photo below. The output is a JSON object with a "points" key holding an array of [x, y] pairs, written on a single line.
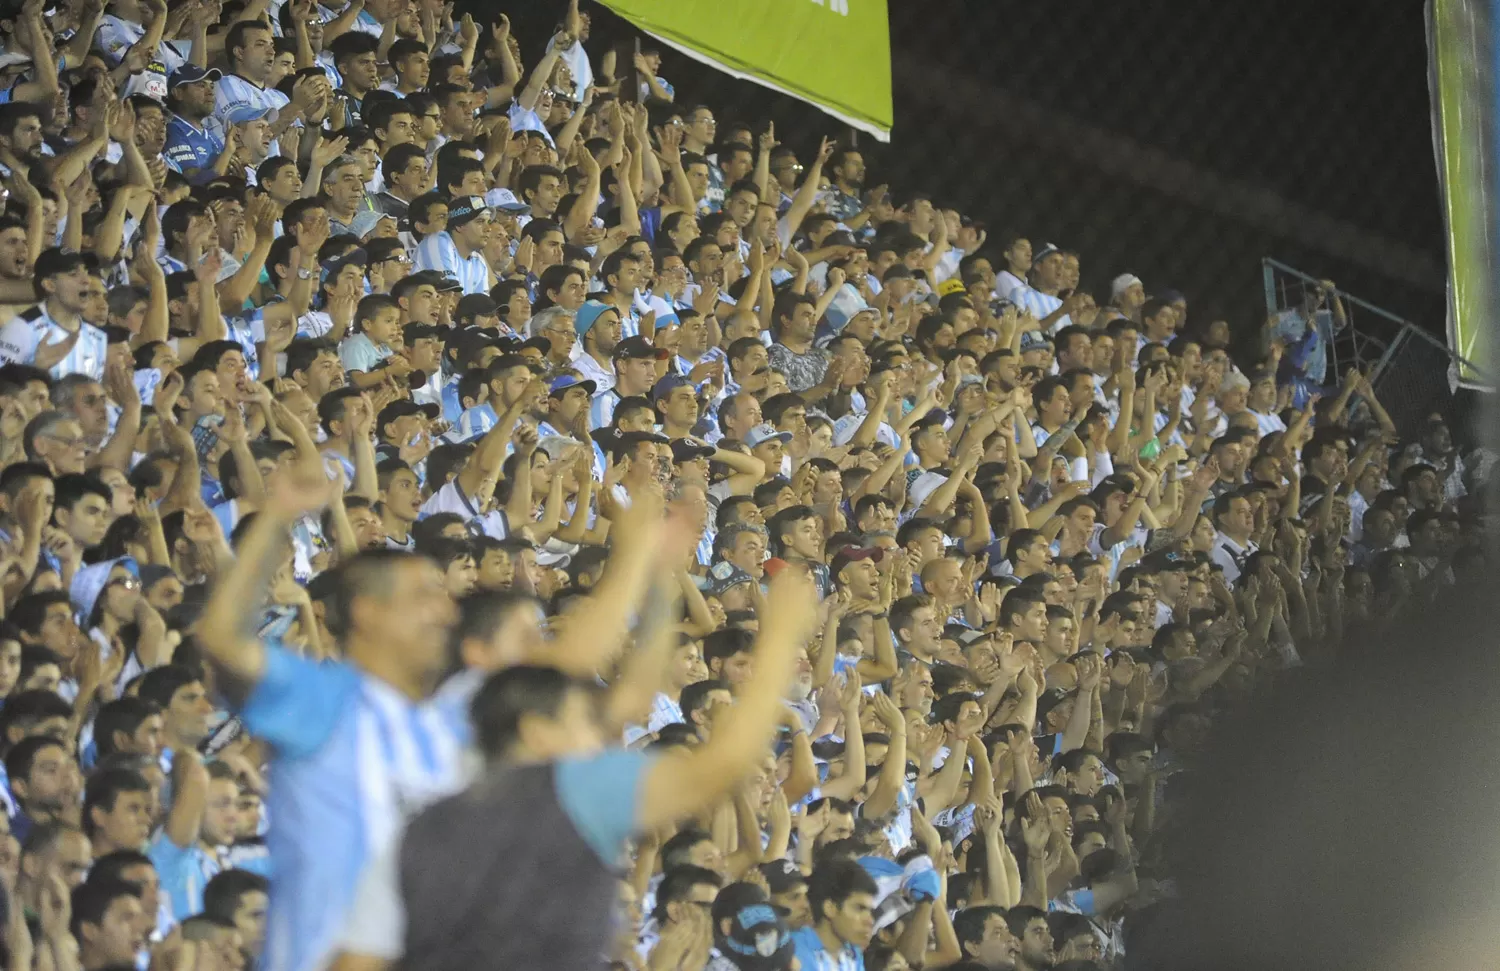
{"points": [[688, 449], [639, 348], [477, 305]]}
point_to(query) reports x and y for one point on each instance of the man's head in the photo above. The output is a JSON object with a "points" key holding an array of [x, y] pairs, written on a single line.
{"points": [[42, 775], [251, 49], [534, 714], [392, 610], [241, 898], [179, 692], [107, 923], [842, 898], [984, 936], [117, 809]]}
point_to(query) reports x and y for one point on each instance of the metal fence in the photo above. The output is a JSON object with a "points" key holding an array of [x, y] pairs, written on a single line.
{"points": [[1412, 371]]}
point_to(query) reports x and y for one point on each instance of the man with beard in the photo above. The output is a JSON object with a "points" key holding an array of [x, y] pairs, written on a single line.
{"points": [[195, 142]]}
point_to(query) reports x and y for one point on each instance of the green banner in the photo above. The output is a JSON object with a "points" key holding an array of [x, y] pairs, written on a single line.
{"points": [[1463, 47], [835, 54]]}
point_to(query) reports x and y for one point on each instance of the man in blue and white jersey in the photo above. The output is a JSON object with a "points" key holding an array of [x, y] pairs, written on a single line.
{"points": [[195, 139], [458, 251], [250, 50], [358, 744], [53, 334]]}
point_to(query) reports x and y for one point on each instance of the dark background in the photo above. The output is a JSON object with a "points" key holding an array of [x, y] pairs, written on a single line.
{"points": [[1179, 141]]}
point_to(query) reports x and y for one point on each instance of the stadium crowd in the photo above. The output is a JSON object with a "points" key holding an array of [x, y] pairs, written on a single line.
{"points": [[468, 506]]}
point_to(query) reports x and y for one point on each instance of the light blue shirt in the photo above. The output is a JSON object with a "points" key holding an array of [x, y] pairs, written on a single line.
{"points": [[183, 872], [438, 252], [353, 759], [28, 331]]}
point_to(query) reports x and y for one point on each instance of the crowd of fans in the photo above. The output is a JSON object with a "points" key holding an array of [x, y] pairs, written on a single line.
{"points": [[467, 506]]}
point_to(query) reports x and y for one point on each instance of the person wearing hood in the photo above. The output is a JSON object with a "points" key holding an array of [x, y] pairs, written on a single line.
{"points": [[106, 597]]}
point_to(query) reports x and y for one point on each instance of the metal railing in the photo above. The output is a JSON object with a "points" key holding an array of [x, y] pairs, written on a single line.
{"points": [[1413, 372]]}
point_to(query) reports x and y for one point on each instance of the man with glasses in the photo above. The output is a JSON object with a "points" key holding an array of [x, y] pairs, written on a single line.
{"points": [[388, 264], [458, 251]]}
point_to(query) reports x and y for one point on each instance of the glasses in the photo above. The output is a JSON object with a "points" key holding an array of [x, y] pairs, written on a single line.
{"points": [[72, 442], [126, 583]]}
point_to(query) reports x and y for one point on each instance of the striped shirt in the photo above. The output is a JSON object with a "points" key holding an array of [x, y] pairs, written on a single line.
{"points": [[438, 252], [474, 422], [1039, 305], [234, 91], [353, 760], [28, 331], [602, 409]]}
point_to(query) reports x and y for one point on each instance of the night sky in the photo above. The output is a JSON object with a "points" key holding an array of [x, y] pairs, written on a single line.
{"points": [[1178, 141]]}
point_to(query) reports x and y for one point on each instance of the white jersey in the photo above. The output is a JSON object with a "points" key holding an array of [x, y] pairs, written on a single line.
{"points": [[29, 330]]}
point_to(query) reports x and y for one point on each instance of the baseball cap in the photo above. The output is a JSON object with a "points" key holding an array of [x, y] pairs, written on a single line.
{"points": [[782, 875], [505, 200], [1164, 560], [853, 554], [334, 265], [401, 409], [441, 282], [192, 74], [366, 220], [1043, 253], [688, 449], [246, 113], [477, 305], [725, 576], [951, 285], [758, 939], [640, 349], [412, 333], [563, 382], [764, 432], [583, 320], [667, 385], [465, 208], [515, 345], [1122, 283], [1033, 340]]}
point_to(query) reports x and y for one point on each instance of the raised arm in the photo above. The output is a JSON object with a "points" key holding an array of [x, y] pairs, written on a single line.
{"points": [[678, 786]]}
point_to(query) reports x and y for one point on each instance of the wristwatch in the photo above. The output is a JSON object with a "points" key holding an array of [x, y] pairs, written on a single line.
{"points": [[303, 273]]}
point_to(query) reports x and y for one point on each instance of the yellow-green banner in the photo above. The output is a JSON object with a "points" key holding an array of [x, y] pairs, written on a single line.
{"points": [[1463, 47], [835, 54]]}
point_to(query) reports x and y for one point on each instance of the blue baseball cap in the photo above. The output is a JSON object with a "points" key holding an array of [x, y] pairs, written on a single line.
{"points": [[247, 113], [563, 382], [668, 384], [583, 320]]}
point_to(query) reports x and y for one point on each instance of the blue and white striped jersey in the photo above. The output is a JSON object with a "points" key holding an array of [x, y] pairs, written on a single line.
{"points": [[234, 91], [602, 409], [1039, 305], [438, 252], [30, 329], [354, 759]]}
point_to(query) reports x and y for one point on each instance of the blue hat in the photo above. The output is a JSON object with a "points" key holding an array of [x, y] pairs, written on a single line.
{"points": [[246, 113], [668, 384], [1033, 340], [89, 583], [563, 382], [365, 221], [583, 320]]}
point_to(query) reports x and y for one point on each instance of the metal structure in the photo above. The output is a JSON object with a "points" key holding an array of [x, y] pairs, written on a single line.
{"points": [[1412, 371]]}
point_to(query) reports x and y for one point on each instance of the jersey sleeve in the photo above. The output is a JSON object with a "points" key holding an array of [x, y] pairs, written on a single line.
{"points": [[601, 795], [297, 703]]}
